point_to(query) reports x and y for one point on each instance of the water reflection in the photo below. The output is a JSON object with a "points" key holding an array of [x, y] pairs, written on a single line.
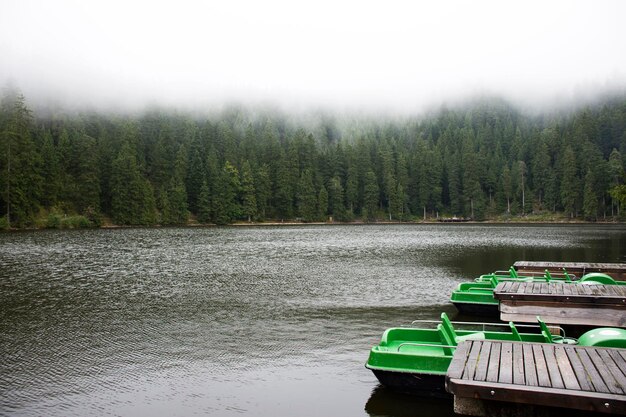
{"points": [[387, 403]]}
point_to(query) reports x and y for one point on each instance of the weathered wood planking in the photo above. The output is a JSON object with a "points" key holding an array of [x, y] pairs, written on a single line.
{"points": [[615, 270], [562, 303], [568, 376]]}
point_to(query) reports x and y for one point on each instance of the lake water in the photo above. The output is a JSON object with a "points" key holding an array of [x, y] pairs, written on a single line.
{"points": [[263, 321]]}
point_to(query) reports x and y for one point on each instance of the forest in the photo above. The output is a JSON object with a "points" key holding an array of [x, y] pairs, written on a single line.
{"points": [[485, 160]]}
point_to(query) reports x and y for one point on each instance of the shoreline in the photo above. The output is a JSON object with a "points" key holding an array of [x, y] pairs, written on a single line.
{"points": [[379, 223], [510, 222]]}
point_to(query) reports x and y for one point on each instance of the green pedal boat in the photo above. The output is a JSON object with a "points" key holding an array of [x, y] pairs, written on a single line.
{"points": [[476, 297], [512, 275], [415, 360]]}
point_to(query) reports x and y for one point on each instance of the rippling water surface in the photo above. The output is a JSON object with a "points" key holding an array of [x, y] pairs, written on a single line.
{"points": [[242, 320]]}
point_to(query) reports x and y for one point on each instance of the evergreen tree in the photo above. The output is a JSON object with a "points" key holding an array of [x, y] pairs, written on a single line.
{"points": [[204, 204], [263, 190], [540, 169], [132, 198], [248, 192], [283, 200], [370, 196], [352, 188], [569, 183], [507, 187], [163, 206], [226, 207], [307, 197], [20, 181], [87, 180], [177, 195], [195, 178], [50, 172], [322, 203], [616, 170], [454, 184], [335, 199], [590, 200]]}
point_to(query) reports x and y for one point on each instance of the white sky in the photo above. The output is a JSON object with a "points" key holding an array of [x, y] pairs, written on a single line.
{"points": [[398, 55]]}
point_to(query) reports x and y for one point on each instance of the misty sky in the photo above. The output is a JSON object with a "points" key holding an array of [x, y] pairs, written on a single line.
{"points": [[398, 55]]}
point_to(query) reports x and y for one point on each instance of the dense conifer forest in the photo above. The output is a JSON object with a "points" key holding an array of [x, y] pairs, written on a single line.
{"points": [[485, 160]]}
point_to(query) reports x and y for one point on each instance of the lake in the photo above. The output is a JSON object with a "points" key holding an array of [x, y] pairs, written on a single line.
{"points": [[263, 321]]}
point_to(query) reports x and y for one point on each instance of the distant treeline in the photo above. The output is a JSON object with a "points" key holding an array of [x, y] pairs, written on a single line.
{"points": [[486, 160]]}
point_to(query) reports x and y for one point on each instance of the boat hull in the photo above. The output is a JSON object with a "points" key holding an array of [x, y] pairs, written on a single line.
{"points": [[425, 385], [478, 309]]}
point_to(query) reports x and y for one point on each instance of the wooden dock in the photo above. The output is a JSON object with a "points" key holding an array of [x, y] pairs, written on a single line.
{"points": [[538, 374], [615, 270], [562, 303]]}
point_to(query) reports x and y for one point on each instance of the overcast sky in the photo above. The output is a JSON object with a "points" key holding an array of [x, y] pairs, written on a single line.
{"points": [[398, 55]]}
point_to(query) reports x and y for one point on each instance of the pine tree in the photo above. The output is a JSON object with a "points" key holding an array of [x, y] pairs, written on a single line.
{"points": [[390, 185], [248, 192], [163, 206], [569, 183], [540, 169], [195, 178], [335, 199], [204, 204], [590, 199], [616, 170], [507, 187], [20, 181], [225, 205], [87, 199], [352, 188], [370, 196], [177, 195], [50, 172], [307, 198], [454, 185], [132, 198], [322, 203], [284, 189], [263, 190]]}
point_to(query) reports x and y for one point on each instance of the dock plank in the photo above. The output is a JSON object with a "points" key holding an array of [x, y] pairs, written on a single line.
{"points": [[530, 368], [553, 368], [506, 364], [565, 367], [518, 364], [493, 368], [543, 378], [483, 362]]}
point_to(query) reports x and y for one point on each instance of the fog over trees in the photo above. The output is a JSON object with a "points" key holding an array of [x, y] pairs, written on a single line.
{"points": [[484, 160]]}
